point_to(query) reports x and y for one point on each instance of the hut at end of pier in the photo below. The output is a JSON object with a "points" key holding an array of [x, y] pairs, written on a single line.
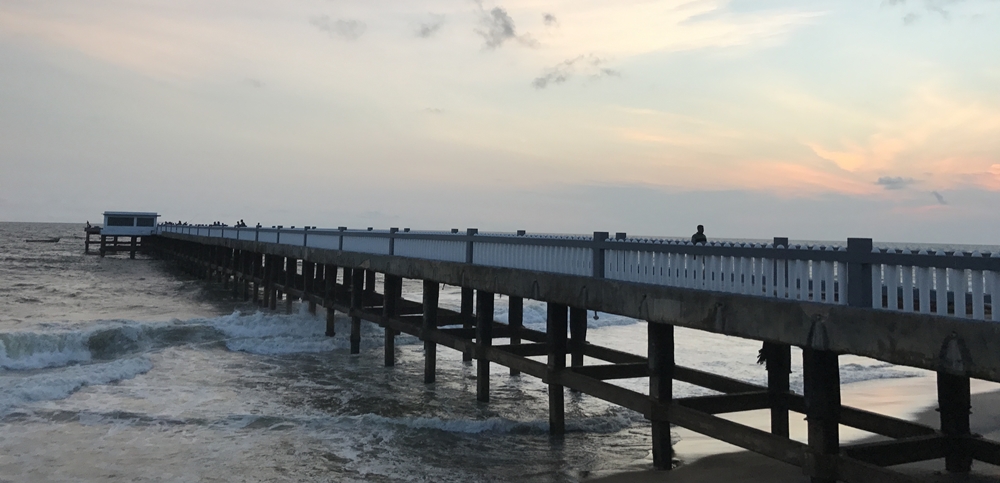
{"points": [[124, 231]]}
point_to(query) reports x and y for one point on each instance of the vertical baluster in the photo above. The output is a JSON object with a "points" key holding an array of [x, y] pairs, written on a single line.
{"points": [[960, 287], [823, 288], [908, 287], [993, 281], [924, 281], [742, 277], [941, 290], [877, 270], [978, 302], [891, 287], [767, 277]]}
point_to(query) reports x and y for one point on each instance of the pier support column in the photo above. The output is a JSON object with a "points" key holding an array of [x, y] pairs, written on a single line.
{"points": [[272, 275], [821, 388], [660, 348], [577, 335], [314, 276], [256, 273], [291, 274], [467, 317], [392, 290], [484, 339], [515, 320], [104, 244], [370, 281], [357, 303], [778, 360], [430, 299], [330, 297], [131, 250], [555, 337], [308, 274], [955, 404]]}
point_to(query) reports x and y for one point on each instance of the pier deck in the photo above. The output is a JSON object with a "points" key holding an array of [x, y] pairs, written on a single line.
{"points": [[826, 306]]}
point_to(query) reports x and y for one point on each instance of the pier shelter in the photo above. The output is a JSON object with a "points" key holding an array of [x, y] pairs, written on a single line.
{"points": [[125, 230]]}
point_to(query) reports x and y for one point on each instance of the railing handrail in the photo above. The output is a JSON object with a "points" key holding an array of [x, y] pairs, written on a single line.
{"points": [[925, 258]]}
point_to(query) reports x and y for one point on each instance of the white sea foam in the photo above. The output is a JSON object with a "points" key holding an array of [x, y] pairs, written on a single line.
{"points": [[20, 389]]}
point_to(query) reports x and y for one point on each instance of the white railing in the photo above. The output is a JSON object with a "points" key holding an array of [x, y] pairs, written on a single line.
{"points": [[543, 258], [954, 284], [378, 245], [947, 289], [793, 276], [431, 249]]}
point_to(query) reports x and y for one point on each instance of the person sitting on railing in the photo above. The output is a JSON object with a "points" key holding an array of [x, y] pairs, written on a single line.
{"points": [[700, 236]]}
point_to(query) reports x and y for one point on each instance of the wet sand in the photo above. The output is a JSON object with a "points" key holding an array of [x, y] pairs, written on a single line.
{"points": [[703, 459]]}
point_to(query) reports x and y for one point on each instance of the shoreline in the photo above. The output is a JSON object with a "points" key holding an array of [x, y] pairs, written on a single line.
{"points": [[703, 459]]}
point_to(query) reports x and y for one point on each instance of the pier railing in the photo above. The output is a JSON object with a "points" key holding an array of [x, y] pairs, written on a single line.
{"points": [[956, 283]]}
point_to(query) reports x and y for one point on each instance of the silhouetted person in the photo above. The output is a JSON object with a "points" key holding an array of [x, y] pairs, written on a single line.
{"points": [[700, 236]]}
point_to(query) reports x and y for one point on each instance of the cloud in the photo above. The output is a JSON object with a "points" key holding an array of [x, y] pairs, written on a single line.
{"points": [[344, 29], [498, 27], [894, 182], [434, 110], [589, 65], [910, 18], [428, 29], [250, 81], [940, 199], [550, 20]]}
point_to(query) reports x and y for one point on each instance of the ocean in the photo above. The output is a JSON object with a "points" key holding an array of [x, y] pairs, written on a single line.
{"points": [[120, 370]]}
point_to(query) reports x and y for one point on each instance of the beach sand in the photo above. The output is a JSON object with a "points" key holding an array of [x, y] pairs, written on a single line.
{"points": [[703, 459]]}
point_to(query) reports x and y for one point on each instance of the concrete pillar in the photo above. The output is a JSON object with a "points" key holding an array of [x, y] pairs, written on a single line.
{"points": [[555, 335], [515, 319], [954, 405], [392, 289], [484, 339], [357, 303], [291, 274], [467, 315], [660, 349], [578, 335], [778, 359], [430, 299], [821, 388], [330, 296]]}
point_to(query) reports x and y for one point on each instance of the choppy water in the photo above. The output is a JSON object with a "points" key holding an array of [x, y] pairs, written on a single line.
{"points": [[122, 370]]}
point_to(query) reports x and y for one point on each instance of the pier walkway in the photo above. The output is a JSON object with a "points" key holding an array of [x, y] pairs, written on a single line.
{"points": [[930, 310]]}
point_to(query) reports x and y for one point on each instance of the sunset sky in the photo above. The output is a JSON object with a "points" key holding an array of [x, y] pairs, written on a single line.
{"points": [[808, 119]]}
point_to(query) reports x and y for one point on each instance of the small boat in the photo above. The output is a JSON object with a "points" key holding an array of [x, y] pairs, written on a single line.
{"points": [[44, 240]]}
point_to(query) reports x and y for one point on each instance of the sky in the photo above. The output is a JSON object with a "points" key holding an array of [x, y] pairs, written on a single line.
{"points": [[816, 120]]}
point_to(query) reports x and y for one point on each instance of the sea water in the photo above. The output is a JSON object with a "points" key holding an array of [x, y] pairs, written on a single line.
{"points": [[125, 370]]}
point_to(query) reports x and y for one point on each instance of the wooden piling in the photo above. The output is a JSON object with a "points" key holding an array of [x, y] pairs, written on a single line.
{"points": [[954, 406], [272, 275], [392, 290], [330, 295], [431, 293], [484, 340], [660, 347], [357, 304], [132, 248], [467, 316], [778, 359], [308, 279], [291, 274], [555, 335], [515, 320], [821, 388]]}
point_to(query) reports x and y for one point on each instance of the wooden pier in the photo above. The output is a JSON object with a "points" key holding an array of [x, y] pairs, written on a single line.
{"points": [[763, 293]]}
